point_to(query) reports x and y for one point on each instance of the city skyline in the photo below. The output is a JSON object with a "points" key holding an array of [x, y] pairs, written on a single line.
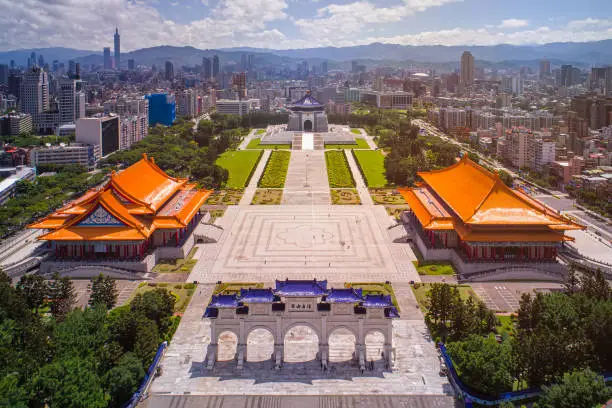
{"points": [[285, 24]]}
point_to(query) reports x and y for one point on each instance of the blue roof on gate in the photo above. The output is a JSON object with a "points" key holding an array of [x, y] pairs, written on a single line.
{"points": [[223, 301], [392, 313], [211, 312], [377, 301], [301, 287], [344, 296], [256, 295], [307, 100]]}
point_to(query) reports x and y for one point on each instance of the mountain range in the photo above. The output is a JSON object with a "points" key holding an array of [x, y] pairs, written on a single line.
{"points": [[585, 54]]}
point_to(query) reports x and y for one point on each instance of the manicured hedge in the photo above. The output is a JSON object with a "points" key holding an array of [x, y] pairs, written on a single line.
{"points": [[338, 171], [276, 170]]}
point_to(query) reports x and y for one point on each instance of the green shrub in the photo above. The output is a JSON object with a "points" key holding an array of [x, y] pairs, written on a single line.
{"points": [[189, 286], [338, 171], [152, 284], [162, 285], [178, 286], [276, 170]]}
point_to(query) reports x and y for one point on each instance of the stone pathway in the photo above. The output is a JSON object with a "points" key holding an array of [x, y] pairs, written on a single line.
{"points": [[368, 139], [362, 189], [249, 191], [245, 142], [306, 181]]}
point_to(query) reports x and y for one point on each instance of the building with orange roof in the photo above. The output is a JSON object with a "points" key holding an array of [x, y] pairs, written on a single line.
{"points": [[139, 216], [467, 215]]}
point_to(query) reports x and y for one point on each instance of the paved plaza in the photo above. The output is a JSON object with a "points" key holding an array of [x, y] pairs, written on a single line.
{"points": [[306, 181], [338, 243], [415, 371]]}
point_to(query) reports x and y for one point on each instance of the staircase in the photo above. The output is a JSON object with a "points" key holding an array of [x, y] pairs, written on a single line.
{"points": [[296, 143], [319, 143]]}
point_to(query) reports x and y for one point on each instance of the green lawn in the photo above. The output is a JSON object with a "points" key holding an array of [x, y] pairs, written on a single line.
{"points": [[356, 131], [360, 143], [176, 265], [240, 164], [372, 165], [338, 171], [234, 287], [260, 131], [254, 144], [434, 269], [420, 290], [506, 325], [276, 170]]}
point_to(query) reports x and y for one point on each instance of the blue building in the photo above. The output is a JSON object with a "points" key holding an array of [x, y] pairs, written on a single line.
{"points": [[162, 109]]}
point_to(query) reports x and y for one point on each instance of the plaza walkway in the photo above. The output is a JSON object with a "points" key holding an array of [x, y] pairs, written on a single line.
{"points": [[362, 189], [306, 181], [249, 191]]}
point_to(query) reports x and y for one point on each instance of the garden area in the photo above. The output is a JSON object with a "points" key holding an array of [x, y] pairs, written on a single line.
{"points": [[420, 291], [345, 196], [396, 211], [260, 131], [276, 170], [256, 144], [387, 196], [240, 164], [372, 166], [267, 196], [338, 171], [176, 265], [360, 143], [234, 287], [225, 197], [434, 268], [356, 131]]}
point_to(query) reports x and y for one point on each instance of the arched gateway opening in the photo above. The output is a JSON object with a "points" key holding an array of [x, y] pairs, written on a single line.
{"points": [[260, 345], [308, 125], [375, 344], [341, 345], [228, 343], [301, 344]]}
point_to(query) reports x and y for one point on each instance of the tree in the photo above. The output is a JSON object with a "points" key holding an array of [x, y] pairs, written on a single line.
{"points": [[505, 177], [62, 296], [34, 288], [483, 363], [572, 281], [157, 305], [71, 383], [122, 380], [578, 389], [103, 291]]}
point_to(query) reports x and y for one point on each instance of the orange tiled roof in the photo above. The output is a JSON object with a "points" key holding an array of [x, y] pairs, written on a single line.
{"points": [[427, 208], [120, 212], [479, 197], [146, 184]]}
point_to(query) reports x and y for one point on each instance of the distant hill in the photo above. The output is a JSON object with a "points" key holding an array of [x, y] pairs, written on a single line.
{"points": [[586, 54], [596, 52]]}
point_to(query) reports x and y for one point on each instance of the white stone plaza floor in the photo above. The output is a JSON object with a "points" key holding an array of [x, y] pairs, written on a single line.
{"points": [[338, 243]]}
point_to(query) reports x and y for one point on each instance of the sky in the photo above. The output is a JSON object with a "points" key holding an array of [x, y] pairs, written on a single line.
{"points": [[286, 24]]}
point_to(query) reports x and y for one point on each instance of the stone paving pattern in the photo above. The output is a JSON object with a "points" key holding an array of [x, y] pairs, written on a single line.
{"points": [[306, 181]]}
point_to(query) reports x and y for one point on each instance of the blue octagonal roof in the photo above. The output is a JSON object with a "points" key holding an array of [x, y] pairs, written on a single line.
{"points": [[308, 101]]}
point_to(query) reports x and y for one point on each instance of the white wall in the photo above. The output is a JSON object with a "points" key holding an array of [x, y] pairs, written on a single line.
{"points": [[88, 131]]}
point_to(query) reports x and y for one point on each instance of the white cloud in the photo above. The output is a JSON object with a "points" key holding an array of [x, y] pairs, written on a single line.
{"points": [[513, 23]]}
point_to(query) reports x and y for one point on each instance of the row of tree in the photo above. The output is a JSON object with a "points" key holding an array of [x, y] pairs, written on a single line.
{"points": [[556, 334], [35, 199], [76, 358]]}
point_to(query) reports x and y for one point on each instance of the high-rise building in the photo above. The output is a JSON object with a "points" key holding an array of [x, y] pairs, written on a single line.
{"points": [[324, 67], [244, 65], [4, 71], [131, 64], [134, 118], [108, 63], [102, 131], [206, 67], [187, 102], [162, 109], [117, 49], [215, 66], [467, 69], [41, 61], [71, 101], [566, 75], [239, 81], [544, 68], [34, 91], [169, 71]]}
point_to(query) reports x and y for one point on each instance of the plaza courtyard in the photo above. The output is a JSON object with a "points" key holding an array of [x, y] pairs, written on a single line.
{"points": [[304, 238]]}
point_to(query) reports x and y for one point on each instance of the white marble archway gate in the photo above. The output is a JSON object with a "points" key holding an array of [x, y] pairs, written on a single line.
{"points": [[301, 303]]}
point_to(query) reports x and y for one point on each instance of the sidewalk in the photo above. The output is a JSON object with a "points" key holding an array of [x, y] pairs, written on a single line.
{"points": [[362, 189], [249, 191]]}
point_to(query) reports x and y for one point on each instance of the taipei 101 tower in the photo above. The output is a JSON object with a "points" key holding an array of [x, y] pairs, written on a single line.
{"points": [[117, 49]]}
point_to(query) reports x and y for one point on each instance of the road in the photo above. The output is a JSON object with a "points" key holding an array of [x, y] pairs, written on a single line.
{"points": [[197, 120]]}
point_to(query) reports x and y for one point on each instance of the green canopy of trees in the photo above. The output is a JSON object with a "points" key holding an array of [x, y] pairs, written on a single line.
{"points": [[75, 358]]}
